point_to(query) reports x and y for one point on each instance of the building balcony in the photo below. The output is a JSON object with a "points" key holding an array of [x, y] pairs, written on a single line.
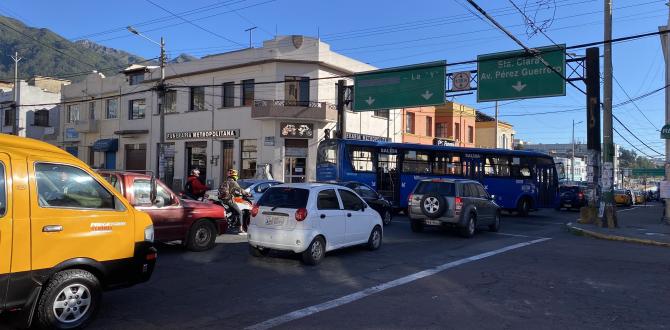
{"points": [[281, 109], [87, 126]]}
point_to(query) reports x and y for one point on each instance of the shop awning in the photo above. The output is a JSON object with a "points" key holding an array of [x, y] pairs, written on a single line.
{"points": [[106, 145]]}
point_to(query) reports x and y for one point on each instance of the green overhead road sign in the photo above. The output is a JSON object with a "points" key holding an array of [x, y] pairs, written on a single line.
{"points": [[401, 87], [665, 132], [517, 75], [648, 172]]}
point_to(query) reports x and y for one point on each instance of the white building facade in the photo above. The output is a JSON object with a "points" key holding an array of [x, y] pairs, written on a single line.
{"points": [[258, 110]]}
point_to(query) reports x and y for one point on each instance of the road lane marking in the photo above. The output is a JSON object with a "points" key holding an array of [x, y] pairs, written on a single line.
{"points": [[307, 311], [517, 235]]}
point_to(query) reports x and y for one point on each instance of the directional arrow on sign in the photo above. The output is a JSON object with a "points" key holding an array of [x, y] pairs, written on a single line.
{"points": [[426, 95], [370, 100], [519, 86]]}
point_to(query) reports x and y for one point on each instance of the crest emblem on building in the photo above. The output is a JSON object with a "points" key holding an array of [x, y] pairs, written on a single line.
{"points": [[297, 41]]}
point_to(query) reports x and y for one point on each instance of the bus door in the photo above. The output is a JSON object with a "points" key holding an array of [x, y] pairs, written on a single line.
{"points": [[473, 167], [388, 178], [547, 187]]}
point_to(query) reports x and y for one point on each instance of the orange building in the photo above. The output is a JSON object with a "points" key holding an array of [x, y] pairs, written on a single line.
{"points": [[449, 121]]}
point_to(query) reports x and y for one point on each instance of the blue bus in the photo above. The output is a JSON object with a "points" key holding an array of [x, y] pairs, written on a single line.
{"points": [[520, 180]]}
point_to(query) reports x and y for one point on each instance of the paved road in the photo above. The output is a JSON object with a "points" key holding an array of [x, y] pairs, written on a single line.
{"points": [[533, 274]]}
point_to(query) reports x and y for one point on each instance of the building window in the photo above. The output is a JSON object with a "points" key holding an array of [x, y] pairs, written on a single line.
{"points": [[41, 118], [170, 102], [471, 134], [457, 131], [112, 109], [229, 95], [442, 130], [91, 110], [72, 113], [248, 92], [296, 91], [381, 113], [249, 154], [429, 126], [136, 109], [9, 117], [136, 78], [409, 123], [197, 99]]}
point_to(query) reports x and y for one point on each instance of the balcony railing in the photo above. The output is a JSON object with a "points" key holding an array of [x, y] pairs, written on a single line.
{"points": [[289, 109]]}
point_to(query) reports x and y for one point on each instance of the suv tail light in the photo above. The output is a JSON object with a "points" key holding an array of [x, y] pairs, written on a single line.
{"points": [[580, 195], [301, 214], [459, 204], [254, 210]]}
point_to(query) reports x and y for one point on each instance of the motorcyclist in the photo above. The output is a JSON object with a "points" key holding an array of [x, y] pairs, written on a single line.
{"points": [[194, 187], [230, 189]]}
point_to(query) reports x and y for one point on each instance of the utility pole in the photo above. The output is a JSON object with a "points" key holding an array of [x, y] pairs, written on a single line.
{"points": [[15, 125], [251, 30], [607, 198], [161, 116], [665, 42], [572, 159], [592, 82], [341, 116], [495, 132]]}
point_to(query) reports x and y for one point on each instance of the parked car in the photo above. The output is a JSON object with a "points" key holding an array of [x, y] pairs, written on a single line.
{"points": [[460, 203], [66, 236], [256, 187], [373, 198], [571, 197], [621, 197], [196, 224], [312, 219]]}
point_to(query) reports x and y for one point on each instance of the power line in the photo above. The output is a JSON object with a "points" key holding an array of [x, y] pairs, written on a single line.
{"points": [[192, 23], [635, 136], [632, 145], [635, 104]]}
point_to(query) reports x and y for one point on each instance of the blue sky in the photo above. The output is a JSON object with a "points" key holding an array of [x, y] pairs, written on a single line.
{"points": [[393, 33]]}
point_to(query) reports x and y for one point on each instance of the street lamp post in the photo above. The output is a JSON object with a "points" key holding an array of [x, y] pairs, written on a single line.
{"points": [[161, 95], [572, 159]]}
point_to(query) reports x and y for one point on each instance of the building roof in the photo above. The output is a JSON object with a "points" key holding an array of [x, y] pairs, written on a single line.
{"points": [[482, 117]]}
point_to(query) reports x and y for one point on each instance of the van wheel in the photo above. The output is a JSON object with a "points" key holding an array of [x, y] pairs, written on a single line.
{"points": [[69, 301], [315, 252], [201, 237], [375, 240], [470, 227], [524, 207], [417, 226]]}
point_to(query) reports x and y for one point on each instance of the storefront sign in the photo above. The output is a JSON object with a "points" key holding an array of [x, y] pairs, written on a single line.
{"points": [[365, 137], [220, 133], [269, 141], [71, 133], [297, 130], [442, 142]]}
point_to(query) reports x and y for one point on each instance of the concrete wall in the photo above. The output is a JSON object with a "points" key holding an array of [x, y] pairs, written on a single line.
{"points": [[32, 99]]}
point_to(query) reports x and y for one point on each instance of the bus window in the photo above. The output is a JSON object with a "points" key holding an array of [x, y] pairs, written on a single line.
{"points": [[417, 162], [497, 166], [386, 162], [327, 153], [521, 167], [447, 164], [361, 158]]}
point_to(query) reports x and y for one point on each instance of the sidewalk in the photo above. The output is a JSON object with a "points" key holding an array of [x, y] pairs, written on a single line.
{"points": [[639, 224]]}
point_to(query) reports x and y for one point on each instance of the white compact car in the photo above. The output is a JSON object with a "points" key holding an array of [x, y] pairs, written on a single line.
{"points": [[312, 219]]}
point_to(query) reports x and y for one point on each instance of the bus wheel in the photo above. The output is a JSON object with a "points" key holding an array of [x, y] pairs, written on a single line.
{"points": [[524, 207], [70, 300]]}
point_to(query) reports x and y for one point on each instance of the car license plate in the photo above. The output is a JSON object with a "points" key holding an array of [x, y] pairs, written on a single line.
{"points": [[567, 205], [433, 222], [274, 220]]}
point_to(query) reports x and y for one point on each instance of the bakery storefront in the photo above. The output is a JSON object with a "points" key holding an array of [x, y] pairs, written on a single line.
{"points": [[296, 149]]}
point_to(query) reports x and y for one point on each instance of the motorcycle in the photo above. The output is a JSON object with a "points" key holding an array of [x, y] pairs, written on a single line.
{"points": [[245, 204]]}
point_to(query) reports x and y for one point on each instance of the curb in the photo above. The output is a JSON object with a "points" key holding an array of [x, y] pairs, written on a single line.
{"points": [[585, 232]]}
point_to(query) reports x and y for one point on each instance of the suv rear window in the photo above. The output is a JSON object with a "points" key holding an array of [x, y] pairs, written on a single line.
{"points": [[570, 189], [442, 188], [285, 197]]}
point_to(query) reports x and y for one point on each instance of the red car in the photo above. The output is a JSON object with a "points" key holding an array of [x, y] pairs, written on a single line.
{"points": [[196, 224]]}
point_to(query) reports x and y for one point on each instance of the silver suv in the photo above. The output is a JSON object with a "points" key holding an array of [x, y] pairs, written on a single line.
{"points": [[463, 204]]}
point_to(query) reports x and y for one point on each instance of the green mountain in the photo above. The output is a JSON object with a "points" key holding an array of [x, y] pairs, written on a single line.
{"points": [[46, 53]]}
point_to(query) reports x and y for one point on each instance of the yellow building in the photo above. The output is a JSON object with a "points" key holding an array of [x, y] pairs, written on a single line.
{"points": [[486, 133]]}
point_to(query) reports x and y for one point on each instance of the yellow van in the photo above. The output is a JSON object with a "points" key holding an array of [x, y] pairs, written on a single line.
{"points": [[65, 236]]}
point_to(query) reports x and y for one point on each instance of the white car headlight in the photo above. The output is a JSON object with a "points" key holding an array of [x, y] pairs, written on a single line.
{"points": [[149, 233]]}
